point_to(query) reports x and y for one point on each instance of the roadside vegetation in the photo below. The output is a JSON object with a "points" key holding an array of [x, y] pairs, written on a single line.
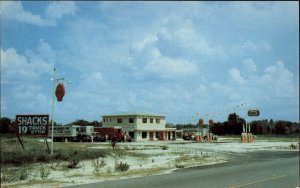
{"points": [[17, 163], [34, 161], [36, 152]]}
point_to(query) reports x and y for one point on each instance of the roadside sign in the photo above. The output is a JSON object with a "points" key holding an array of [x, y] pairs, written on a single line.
{"points": [[253, 112], [32, 125], [60, 92], [200, 122]]}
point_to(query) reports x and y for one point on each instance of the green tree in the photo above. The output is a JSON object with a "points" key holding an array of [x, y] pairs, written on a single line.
{"points": [[280, 128], [96, 123], [4, 124], [80, 122]]}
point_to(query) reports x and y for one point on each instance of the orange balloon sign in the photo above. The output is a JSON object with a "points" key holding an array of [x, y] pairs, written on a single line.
{"points": [[60, 92]]}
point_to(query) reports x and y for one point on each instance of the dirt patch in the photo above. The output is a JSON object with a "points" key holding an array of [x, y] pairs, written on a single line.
{"points": [[134, 160], [142, 160]]}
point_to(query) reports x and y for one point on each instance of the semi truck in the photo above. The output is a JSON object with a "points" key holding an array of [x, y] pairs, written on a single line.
{"points": [[77, 133], [72, 133]]}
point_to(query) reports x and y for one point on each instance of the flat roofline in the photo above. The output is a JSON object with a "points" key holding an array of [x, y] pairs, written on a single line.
{"points": [[131, 114]]}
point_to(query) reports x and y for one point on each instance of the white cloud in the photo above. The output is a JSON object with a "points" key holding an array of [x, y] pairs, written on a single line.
{"points": [[27, 67], [235, 75], [149, 58], [249, 64], [57, 9], [187, 40], [279, 81], [140, 45], [14, 10], [46, 51], [169, 67], [15, 66], [20, 76]]}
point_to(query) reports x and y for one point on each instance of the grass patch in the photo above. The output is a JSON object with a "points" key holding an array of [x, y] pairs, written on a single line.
{"points": [[280, 138], [12, 153]]}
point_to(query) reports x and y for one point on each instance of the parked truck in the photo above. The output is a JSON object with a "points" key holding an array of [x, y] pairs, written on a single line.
{"points": [[104, 134], [72, 133]]}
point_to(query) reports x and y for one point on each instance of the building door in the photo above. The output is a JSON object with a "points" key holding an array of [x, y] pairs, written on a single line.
{"points": [[151, 136], [131, 134]]}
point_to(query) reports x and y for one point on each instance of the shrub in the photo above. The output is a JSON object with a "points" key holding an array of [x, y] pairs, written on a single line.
{"points": [[44, 171], [165, 147], [11, 175], [74, 159], [113, 143], [43, 158], [179, 166], [121, 167], [98, 165], [23, 174], [293, 146]]}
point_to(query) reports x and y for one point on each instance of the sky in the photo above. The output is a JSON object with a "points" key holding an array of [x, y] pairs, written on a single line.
{"points": [[184, 60]]}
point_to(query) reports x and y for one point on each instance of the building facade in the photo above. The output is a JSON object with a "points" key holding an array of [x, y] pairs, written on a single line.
{"points": [[141, 126]]}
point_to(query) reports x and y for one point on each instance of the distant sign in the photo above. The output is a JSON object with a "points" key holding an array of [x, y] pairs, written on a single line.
{"points": [[253, 112], [36, 125], [200, 121]]}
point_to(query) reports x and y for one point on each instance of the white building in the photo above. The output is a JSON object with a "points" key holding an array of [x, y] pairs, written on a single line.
{"points": [[141, 126]]}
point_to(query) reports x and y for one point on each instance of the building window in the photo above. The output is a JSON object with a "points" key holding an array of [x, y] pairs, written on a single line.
{"points": [[144, 120], [120, 120], [130, 120], [158, 121], [104, 120], [151, 120], [144, 135]]}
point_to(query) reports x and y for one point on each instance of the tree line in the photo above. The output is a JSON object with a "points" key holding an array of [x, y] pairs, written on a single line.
{"points": [[233, 125]]}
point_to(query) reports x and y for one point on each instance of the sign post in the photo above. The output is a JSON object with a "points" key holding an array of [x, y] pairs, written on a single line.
{"points": [[199, 136], [59, 92], [251, 113]]}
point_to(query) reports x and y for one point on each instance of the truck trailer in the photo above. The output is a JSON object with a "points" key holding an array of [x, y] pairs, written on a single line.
{"points": [[72, 133]]}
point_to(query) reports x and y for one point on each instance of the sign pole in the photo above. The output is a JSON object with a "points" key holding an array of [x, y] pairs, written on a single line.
{"points": [[48, 149], [52, 112], [59, 92], [21, 142]]}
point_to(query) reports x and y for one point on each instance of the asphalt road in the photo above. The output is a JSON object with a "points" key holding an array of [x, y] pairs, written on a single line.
{"points": [[268, 169]]}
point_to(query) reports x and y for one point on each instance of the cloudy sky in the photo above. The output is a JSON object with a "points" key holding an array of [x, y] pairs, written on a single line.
{"points": [[185, 60]]}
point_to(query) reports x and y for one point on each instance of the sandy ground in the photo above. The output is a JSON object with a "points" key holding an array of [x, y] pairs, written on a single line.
{"points": [[144, 158]]}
